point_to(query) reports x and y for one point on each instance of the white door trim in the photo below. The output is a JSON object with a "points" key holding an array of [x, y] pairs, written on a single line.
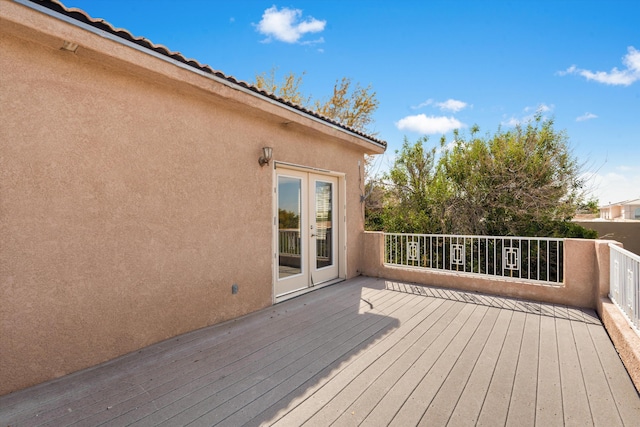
{"points": [[281, 168]]}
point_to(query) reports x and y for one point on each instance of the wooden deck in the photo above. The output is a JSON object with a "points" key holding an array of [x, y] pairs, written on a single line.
{"points": [[366, 351]]}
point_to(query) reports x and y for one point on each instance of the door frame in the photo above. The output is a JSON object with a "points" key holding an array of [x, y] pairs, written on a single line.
{"points": [[341, 221]]}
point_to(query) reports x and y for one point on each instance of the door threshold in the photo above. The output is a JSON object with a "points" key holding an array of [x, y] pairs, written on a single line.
{"points": [[297, 293]]}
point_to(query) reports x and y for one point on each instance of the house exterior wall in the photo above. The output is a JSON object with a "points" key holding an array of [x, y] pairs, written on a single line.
{"points": [[132, 199], [629, 211], [615, 212]]}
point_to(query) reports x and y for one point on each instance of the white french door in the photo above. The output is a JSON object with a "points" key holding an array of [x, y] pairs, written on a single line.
{"points": [[307, 230]]}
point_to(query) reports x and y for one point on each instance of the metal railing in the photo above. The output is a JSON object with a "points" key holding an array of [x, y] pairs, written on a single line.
{"points": [[289, 242], [535, 259], [624, 288]]}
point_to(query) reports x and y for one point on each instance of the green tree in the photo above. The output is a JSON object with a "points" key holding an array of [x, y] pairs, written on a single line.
{"points": [[522, 182], [350, 104], [412, 200], [518, 182], [288, 219], [288, 88], [374, 202], [591, 206]]}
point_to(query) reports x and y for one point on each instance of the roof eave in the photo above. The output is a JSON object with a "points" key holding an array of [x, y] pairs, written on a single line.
{"points": [[104, 29]]}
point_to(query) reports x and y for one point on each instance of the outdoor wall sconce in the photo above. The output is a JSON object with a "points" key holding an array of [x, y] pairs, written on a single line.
{"points": [[267, 153]]}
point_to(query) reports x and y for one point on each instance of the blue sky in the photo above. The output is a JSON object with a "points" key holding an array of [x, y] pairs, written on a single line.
{"points": [[435, 65]]}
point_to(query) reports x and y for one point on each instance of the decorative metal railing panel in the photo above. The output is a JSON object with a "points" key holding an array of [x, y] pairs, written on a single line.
{"points": [[533, 259], [624, 286]]}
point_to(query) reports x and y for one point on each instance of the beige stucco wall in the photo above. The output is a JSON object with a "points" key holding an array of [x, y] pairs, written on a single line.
{"points": [[132, 199], [627, 233], [624, 338]]}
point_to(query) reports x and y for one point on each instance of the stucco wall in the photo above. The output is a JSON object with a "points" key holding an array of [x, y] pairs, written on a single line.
{"points": [[627, 233], [132, 199]]}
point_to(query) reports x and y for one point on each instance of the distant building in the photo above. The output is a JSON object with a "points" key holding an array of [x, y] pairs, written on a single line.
{"points": [[627, 210]]}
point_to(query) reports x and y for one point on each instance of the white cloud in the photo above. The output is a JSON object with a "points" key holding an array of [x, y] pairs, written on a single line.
{"points": [[423, 104], [543, 108], [612, 187], [623, 77], [540, 108], [585, 117], [284, 25], [429, 125], [449, 105], [512, 122], [452, 105]]}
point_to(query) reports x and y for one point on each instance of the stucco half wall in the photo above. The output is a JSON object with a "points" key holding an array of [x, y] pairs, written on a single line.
{"points": [[584, 282], [132, 199]]}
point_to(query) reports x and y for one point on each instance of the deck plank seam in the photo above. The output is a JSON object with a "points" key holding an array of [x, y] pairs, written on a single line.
{"points": [[582, 369], [493, 326], [501, 357], [383, 341], [390, 365], [308, 352], [457, 331], [366, 338], [381, 373], [484, 316], [456, 308]]}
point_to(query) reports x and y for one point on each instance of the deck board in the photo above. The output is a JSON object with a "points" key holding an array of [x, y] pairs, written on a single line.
{"points": [[496, 404], [345, 384], [574, 395], [522, 406], [622, 389], [433, 379], [471, 399], [445, 399], [389, 404], [366, 351], [603, 409], [549, 409], [343, 389]]}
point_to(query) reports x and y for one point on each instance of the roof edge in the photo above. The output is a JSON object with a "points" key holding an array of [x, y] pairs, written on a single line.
{"points": [[79, 17]]}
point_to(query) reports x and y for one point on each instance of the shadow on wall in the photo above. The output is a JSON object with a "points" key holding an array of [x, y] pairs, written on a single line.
{"points": [[627, 233]]}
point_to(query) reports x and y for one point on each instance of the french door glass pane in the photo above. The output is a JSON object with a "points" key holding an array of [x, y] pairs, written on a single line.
{"points": [[324, 220], [289, 226]]}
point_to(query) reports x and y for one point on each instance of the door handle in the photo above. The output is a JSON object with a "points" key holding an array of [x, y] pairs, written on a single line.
{"points": [[313, 235]]}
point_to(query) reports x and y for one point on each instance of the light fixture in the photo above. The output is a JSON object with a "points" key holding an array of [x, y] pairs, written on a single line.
{"points": [[267, 153], [69, 46]]}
